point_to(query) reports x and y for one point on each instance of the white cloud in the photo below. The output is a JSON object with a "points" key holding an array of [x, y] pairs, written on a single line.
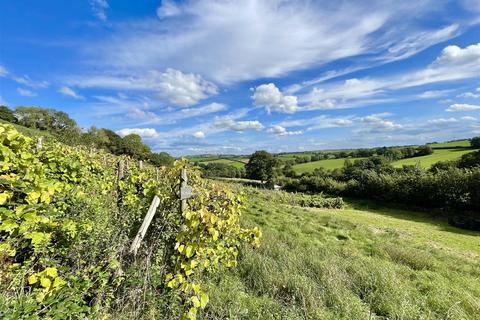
{"points": [[25, 80], [442, 121], [199, 134], [171, 86], [434, 94], [142, 132], [270, 97], [468, 118], [472, 95], [228, 122], [168, 9], [99, 8], [238, 40], [319, 122], [3, 71], [454, 63], [462, 107], [26, 92], [378, 123], [70, 92], [281, 131]]}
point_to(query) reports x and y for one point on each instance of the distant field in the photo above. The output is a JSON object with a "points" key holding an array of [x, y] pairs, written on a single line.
{"points": [[327, 164], [438, 155], [453, 144]]}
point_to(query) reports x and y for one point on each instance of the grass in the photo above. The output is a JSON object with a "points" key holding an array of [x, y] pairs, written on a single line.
{"points": [[327, 164], [436, 156], [357, 263], [452, 144]]}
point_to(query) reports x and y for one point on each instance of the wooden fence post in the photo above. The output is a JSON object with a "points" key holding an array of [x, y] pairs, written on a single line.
{"points": [[146, 223], [185, 190], [121, 169], [140, 164], [39, 143], [158, 174]]}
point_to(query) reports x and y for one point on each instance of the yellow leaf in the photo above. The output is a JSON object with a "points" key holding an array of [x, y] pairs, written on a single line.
{"points": [[32, 279], [45, 282], [195, 302], [51, 272], [203, 300], [190, 251], [58, 282]]}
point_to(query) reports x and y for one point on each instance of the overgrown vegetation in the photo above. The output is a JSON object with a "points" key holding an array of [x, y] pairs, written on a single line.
{"points": [[66, 130], [67, 222], [362, 263], [453, 186]]}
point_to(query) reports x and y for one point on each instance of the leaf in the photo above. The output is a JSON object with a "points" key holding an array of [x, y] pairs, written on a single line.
{"points": [[203, 300], [45, 282], [51, 272], [32, 279], [190, 251], [59, 282], [195, 301]]}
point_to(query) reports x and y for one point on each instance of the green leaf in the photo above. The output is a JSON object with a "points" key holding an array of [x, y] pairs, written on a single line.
{"points": [[203, 300], [190, 251], [32, 279], [45, 282]]}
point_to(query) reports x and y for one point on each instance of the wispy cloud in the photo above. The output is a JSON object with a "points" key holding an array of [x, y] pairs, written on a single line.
{"points": [[70, 92], [462, 107], [26, 92], [99, 9]]}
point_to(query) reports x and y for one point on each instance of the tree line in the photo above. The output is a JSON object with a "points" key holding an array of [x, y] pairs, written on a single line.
{"points": [[66, 130]]}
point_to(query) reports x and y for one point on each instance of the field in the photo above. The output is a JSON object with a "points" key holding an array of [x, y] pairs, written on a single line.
{"points": [[326, 164], [359, 263], [451, 144], [438, 155]]}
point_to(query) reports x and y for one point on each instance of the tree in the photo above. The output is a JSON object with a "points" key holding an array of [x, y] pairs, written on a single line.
{"points": [[132, 145], [44, 119], [469, 160], [261, 166], [424, 151], [6, 114], [475, 142], [161, 159]]}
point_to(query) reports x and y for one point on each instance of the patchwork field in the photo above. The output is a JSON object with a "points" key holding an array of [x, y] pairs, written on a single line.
{"points": [[438, 155], [359, 263], [326, 164]]}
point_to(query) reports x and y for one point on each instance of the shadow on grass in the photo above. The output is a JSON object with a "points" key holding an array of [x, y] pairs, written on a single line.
{"points": [[433, 217]]}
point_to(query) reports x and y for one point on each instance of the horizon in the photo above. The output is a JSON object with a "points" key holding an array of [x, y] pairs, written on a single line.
{"points": [[220, 77]]}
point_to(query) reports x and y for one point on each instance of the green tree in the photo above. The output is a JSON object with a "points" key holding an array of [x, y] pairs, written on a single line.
{"points": [[6, 114], [261, 166], [132, 145], [44, 119], [475, 142], [161, 159]]}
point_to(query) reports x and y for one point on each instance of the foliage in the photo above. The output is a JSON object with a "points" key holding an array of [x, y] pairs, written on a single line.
{"points": [[469, 160], [370, 262], [66, 222], [475, 142], [6, 114], [218, 169], [161, 159], [261, 166], [43, 119]]}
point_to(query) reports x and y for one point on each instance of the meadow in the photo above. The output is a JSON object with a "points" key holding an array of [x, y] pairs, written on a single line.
{"points": [[361, 262], [328, 164]]}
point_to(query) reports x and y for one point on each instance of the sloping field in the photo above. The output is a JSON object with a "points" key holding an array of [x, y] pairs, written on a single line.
{"points": [[452, 144], [438, 155], [358, 263], [327, 164]]}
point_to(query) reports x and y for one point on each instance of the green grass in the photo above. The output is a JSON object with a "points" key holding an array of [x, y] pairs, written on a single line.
{"points": [[357, 263], [327, 164], [438, 155], [451, 144]]}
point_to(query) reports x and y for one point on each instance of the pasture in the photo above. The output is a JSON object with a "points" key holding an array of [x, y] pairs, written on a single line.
{"points": [[329, 164], [438, 155], [364, 262]]}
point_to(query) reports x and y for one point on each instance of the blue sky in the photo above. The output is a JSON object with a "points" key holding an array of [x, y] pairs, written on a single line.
{"points": [[211, 76]]}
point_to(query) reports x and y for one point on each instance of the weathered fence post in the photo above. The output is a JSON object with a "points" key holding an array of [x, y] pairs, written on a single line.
{"points": [[121, 169], [146, 223], [158, 174], [185, 190], [140, 164], [39, 143]]}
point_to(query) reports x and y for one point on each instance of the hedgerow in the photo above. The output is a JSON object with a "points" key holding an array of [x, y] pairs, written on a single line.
{"points": [[67, 222]]}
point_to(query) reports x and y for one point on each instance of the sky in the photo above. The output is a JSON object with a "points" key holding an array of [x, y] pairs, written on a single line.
{"points": [[232, 77]]}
